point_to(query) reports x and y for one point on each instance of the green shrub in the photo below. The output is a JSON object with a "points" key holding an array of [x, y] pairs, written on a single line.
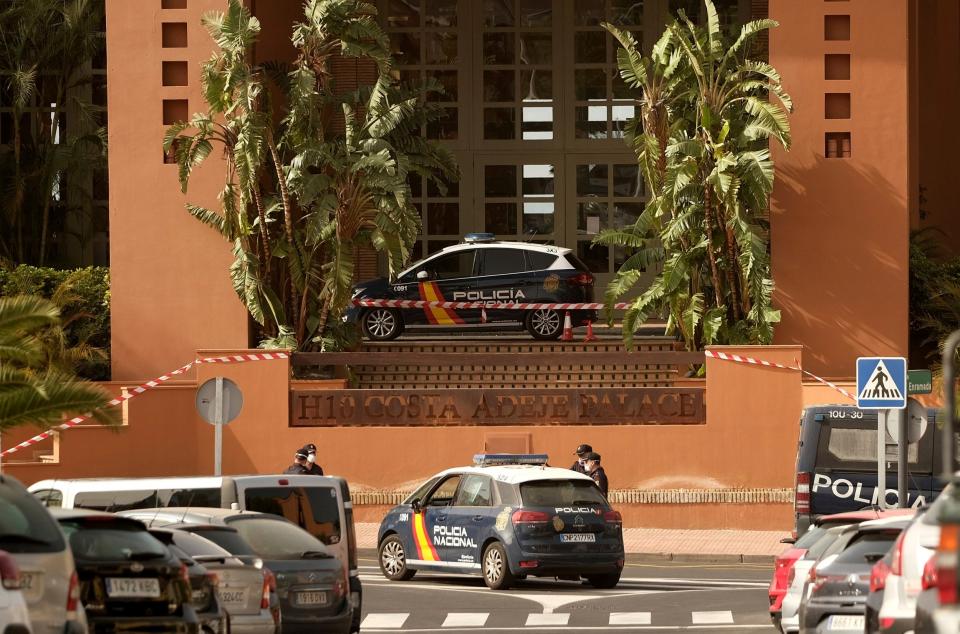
{"points": [[83, 297]]}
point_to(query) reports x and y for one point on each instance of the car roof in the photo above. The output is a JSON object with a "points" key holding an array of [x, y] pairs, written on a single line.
{"points": [[862, 516], [901, 522], [199, 482], [518, 474], [507, 244], [70, 514], [194, 515]]}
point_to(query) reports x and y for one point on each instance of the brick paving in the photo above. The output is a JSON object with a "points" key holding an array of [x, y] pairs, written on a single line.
{"points": [[668, 543]]}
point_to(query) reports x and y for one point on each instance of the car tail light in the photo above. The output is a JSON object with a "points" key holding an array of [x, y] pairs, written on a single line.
{"points": [[878, 576], [269, 582], [533, 563], [929, 578], [613, 517], [802, 500], [896, 566], [782, 567], [580, 279], [946, 565], [213, 578], [9, 572], [283, 482], [73, 596], [521, 516]]}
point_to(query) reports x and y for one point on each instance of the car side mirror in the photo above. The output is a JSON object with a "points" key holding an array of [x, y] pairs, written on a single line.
{"points": [[416, 506], [423, 275]]}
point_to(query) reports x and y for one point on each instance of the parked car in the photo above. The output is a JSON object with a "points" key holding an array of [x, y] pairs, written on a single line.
{"points": [[48, 576], [836, 468], [311, 583], [14, 618], [796, 581], [480, 270], [938, 609], [129, 580], [838, 584], [929, 601]]}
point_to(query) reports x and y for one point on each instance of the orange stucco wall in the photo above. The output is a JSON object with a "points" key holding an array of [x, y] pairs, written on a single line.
{"points": [[840, 227]]}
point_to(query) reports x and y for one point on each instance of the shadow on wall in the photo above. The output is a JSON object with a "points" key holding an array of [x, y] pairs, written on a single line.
{"points": [[839, 243]]}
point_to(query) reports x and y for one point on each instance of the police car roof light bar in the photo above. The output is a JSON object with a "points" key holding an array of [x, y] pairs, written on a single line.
{"points": [[495, 459], [472, 238]]}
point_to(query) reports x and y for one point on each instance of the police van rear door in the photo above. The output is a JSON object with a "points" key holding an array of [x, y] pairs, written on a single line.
{"points": [[845, 473]]}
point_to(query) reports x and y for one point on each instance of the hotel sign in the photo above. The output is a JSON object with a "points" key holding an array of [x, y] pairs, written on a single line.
{"points": [[527, 406]]}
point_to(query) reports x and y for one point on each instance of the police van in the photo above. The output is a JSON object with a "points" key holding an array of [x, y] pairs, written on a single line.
{"points": [[319, 504], [506, 517], [480, 270], [836, 468]]}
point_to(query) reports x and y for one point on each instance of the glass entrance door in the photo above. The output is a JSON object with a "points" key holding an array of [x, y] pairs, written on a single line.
{"points": [[520, 197]]}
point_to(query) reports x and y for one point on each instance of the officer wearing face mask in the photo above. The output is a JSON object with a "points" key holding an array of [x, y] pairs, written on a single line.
{"points": [[579, 465], [300, 464], [312, 467]]}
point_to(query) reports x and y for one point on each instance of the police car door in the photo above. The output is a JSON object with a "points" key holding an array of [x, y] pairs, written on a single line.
{"points": [[431, 525], [503, 278], [471, 519], [451, 277]]}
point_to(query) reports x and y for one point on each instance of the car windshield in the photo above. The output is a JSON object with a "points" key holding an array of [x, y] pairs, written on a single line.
{"points": [[810, 537], [868, 544], [560, 493], [25, 526], [278, 539], [818, 548], [197, 546], [228, 539], [106, 540]]}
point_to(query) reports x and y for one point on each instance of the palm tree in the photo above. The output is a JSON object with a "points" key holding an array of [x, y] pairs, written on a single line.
{"points": [[32, 393], [709, 191]]}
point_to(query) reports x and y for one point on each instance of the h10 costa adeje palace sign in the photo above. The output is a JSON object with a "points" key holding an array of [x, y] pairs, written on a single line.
{"points": [[628, 406]]}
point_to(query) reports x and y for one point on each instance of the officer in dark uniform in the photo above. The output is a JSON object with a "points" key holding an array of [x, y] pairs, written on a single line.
{"points": [[314, 468], [595, 471], [300, 465], [581, 451]]}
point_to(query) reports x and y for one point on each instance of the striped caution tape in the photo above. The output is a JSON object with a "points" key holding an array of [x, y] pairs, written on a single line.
{"points": [[723, 356], [491, 305], [140, 389]]}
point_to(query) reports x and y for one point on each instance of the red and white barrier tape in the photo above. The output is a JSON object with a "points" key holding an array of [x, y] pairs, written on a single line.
{"points": [[491, 305], [723, 356], [140, 389]]}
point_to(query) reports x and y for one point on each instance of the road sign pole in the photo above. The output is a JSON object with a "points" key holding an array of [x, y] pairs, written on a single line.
{"points": [[218, 427], [882, 459], [903, 443]]}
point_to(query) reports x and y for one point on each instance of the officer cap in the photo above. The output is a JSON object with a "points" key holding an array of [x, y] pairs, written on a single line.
{"points": [[583, 449], [592, 456]]}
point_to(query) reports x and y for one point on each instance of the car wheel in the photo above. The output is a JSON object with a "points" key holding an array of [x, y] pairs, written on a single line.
{"points": [[382, 324], [544, 323], [609, 580], [496, 568], [393, 560]]}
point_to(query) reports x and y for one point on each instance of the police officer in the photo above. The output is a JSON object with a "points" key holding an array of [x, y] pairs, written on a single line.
{"points": [[300, 464], [581, 451], [592, 463], [314, 468]]}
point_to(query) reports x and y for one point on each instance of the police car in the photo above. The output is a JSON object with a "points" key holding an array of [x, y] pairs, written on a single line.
{"points": [[481, 269], [506, 517]]}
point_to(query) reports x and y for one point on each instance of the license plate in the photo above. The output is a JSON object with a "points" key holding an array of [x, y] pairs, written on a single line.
{"points": [[311, 598], [232, 598], [578, 538], [31, 584], [855, 622], [126, 588]]}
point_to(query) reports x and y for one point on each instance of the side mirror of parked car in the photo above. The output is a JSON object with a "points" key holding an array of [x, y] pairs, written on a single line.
{"points": [[423, 275], [415, 505]]}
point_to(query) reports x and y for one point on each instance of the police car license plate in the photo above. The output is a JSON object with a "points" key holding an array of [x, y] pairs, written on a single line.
{"points": [[578, 538], [311, 598], [843, 623], [132, 588]]}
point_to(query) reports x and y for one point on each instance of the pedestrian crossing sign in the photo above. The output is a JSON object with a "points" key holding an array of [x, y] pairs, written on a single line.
{"points": [[881, 382]]}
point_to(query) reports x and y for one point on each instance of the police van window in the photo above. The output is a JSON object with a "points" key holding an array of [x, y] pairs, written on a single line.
{"points": [[443, 496], [537, 261], [115, 501], [475, 491], [315, 509], [452, 265], [847, 445], [422, 491], [207, 498], [502, 261], [560, 493]]}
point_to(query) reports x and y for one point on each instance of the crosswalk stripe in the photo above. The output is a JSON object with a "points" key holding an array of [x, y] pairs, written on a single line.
{"points": [[629, 618], [466, 619], [385, 620], [719, 617], [538, 618]]}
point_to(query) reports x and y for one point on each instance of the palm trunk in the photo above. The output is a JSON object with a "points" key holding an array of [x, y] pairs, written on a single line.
{"points": [[708, 228], [287, 221], [264, 239], [18, 183], [47, 181], [733, 271], [324, 315]]}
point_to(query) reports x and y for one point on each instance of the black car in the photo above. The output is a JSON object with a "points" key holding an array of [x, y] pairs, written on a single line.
{"points": [[486, 271], [129, 580], [203, 588]]}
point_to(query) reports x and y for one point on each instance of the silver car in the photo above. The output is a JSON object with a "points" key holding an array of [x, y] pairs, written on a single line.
{"points": [[48, 574]]}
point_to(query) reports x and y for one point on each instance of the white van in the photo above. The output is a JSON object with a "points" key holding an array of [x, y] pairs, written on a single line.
{"points": [[319, 504]]}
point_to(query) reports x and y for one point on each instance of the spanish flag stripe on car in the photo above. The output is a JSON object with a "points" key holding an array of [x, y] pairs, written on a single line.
{"points": [[425, 549], [443, 316]]}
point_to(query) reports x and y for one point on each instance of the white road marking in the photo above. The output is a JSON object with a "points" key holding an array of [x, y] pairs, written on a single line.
{"points": [[719, 617], [629, 618], [466, 619], [535, 619], [385, 620], [587, 628]]}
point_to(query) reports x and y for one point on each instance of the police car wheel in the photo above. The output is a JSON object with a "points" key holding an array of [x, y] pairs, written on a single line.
{"points": [[382, 324], [393, 560], [609, 580], [496, 568], [544, 323]]}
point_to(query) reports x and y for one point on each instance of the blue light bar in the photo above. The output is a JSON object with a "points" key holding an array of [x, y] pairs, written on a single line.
{"points": [[473, 238], [494, 459]]}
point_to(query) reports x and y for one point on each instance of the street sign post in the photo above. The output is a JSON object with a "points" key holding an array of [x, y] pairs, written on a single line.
{"points": [[919, 382], [882, 385], [219, 401]]}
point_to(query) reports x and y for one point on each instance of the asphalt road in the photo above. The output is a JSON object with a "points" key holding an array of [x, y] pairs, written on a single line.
{"points": [[651, 597]]}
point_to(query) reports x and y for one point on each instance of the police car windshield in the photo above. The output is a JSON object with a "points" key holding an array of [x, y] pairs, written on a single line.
{"points": [[560, 493]]}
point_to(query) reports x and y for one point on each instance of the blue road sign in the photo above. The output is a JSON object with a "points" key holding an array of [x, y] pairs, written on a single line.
{"points": [[881, 382]]}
